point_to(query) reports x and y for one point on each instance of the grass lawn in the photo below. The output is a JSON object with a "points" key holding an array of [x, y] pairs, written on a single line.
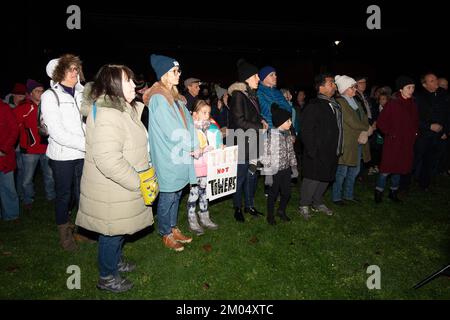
{"points": [[323, 258]]}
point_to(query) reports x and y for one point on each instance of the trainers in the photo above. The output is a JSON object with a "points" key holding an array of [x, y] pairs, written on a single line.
{"points": [[304, 212], [171, 243], [126, 266], [114, 284], [178, 236], [322, 208]]}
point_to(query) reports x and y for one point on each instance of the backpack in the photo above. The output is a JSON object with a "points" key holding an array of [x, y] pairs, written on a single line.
{"points": [[42, 127]]}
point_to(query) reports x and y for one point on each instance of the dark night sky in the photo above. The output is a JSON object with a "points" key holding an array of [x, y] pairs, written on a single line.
{"points": [[207, 38]]}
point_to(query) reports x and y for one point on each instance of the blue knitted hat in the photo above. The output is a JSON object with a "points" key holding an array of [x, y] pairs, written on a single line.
{"points": [[264, 72], [162, 64]]}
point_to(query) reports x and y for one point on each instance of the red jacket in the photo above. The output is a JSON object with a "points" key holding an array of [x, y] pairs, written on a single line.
{"points": [[8, 137], [30, 140], [399, 121]]}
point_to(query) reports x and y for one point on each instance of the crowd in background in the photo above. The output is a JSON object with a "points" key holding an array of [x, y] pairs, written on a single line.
{"points": [[98, 144]]}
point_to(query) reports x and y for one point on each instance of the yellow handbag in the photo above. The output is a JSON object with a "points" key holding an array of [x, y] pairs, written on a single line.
{"points": [[149, 185]]}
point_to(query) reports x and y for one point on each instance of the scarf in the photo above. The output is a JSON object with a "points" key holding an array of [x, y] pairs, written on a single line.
{"points": [[336, 108]]}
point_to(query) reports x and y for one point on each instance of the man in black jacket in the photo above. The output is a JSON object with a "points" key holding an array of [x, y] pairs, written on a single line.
{"points": [[322, 138], [432, 128]]}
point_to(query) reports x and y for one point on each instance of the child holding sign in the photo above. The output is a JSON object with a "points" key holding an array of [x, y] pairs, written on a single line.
{"points": [[210, 138], [279, 162]]}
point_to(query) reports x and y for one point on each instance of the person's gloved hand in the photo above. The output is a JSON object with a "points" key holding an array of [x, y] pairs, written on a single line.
{"points": [[294, 172], [149, 185]]}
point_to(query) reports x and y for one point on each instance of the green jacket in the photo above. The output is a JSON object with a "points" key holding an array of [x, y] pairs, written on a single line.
{"points": [[353, 126]]}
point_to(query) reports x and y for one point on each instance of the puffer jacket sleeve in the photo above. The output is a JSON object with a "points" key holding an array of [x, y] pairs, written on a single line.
{"points": [[107, 145], [53, 119]]}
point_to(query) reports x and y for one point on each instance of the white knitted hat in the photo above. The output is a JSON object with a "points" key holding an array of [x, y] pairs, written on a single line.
{"points": [[344, 82]]}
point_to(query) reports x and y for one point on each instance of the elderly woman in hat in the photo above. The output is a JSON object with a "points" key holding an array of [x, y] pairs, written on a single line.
{"points": [[172, 144], [356, 132]]}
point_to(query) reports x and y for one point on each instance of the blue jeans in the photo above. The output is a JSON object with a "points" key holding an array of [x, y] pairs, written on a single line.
{"points": [[19, 174], [246, 184], [67, 175], [382, 178], [345, 177], [167, 213], [30, 162], [8, 197], [109, 254]]}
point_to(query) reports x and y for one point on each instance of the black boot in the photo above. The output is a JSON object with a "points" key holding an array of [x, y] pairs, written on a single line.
{"points": [[283, 216], [253, 212], [238, 215], [271, 219], [378, 196], [393, 195]]}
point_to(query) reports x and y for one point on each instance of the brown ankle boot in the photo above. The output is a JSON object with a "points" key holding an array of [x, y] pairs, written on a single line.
{"points": [[178, 236], [171, 243], [66, 237]]}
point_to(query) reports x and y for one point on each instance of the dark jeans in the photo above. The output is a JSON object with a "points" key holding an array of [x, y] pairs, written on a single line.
{"points": [[246, 184], [109, 254], [281, 184], [67, 176]]}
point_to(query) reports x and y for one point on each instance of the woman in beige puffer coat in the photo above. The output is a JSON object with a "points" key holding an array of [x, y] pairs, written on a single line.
{"points": [[116, 150]]}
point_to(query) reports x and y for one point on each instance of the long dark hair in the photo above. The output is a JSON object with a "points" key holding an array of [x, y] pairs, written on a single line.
{"points": [[108, 81]]}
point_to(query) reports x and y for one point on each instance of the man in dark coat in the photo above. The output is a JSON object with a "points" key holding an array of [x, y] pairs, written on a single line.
{"points": [[322, 138], [432, 122], [246, 116], [399, 122]]}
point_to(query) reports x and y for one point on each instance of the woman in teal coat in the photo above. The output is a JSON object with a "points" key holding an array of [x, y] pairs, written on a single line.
{"points": [[172, 145]]}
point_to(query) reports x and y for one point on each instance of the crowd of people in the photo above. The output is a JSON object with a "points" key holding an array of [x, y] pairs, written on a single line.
{"points": [[119, 150]]}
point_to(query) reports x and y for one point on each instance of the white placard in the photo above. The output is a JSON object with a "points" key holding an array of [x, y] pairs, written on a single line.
{"points": [[222, 172]]}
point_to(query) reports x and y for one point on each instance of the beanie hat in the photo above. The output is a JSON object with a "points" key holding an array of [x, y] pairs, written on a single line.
{"points": [[403, 81], [245, 70], [19, 88], [344, 82], [264, 72], [51, 66], [162, 64], [279, 116], [139, 85], [32, 84], [220, 92]]}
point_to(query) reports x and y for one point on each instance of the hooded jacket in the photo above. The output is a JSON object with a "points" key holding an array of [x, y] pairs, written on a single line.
{"points": [[111, 202]]}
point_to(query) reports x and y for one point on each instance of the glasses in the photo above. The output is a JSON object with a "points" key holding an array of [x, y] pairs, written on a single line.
{"points": [[72, 69], [176, 71]]}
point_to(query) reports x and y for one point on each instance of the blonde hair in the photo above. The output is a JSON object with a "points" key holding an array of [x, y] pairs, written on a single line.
{"points": [[174, 91], [200, 104]]}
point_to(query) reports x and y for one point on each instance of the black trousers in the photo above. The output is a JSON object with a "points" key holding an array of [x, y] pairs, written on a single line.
{"points": [[67, 175], [281, 185], [425, 158]]}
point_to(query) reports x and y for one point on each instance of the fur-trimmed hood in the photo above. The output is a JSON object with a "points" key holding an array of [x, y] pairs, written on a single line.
{"points": [[238, 86], [157, 88], [102, 102]]}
